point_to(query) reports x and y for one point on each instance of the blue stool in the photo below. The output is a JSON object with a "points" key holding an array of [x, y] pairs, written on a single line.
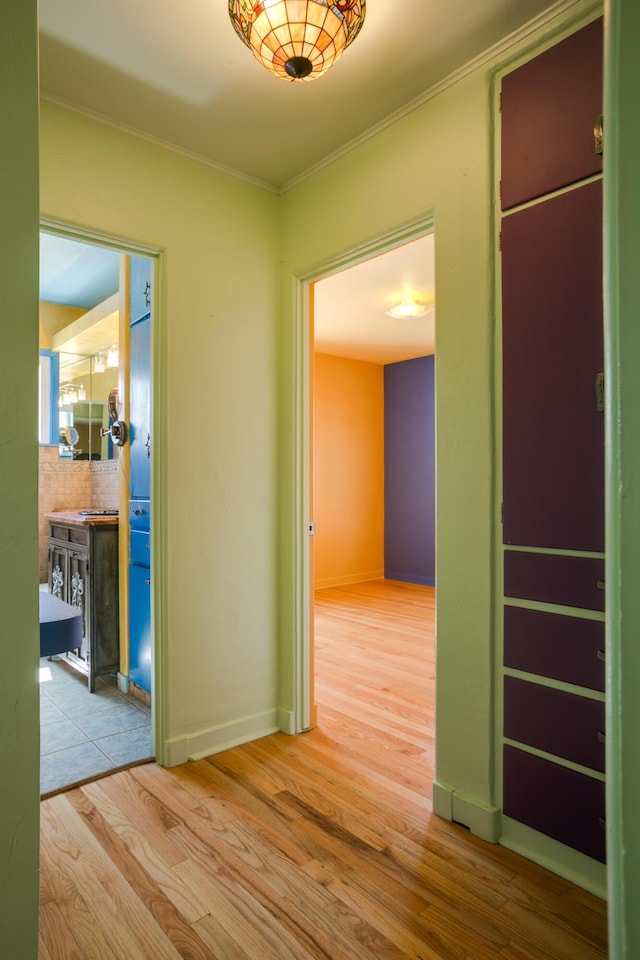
{"points": [[60, 626]]}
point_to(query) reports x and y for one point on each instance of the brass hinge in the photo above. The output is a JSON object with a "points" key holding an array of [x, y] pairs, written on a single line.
{"points": [[598, 135]]}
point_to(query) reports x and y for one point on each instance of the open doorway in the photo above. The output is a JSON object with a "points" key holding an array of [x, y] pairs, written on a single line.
{"points": [[94, 719], [372, 491]]}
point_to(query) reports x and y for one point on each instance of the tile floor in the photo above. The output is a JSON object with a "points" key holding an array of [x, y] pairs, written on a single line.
{"points": [[85, 734]]}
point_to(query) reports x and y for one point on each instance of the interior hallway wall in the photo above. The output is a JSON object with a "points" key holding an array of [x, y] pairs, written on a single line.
{"points": [[349, 471], [216, 443], [19, 636], [409, 471]]}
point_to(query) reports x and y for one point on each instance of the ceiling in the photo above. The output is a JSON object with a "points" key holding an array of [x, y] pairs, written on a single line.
{"points": [[177, 73]]}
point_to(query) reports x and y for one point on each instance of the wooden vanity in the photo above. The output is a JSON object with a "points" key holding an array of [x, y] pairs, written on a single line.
{"points": [[83, 571]]}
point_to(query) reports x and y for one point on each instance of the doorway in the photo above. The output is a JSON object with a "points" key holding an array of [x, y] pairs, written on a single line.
{"points": [[371, 334], [94, 719]]}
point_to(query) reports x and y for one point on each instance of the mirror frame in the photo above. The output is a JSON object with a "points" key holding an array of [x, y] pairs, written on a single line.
{"points": [[49, 387]]}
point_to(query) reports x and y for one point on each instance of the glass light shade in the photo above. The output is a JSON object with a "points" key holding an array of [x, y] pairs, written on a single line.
{"points": [[297, 39], [407, 308], [99, 364], [112, 357]]}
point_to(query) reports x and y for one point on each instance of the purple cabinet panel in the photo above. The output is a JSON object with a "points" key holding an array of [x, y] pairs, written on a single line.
{"points": [[557, 722], [556, 801], [555, 646], [553, 431], [551, 578], [548, 109]]}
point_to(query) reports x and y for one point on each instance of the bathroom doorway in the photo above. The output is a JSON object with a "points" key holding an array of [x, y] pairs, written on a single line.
{"points": [[94, 718]]}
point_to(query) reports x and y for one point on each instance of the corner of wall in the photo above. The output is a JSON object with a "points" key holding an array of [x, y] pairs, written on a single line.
{"points": [[483, 821]]}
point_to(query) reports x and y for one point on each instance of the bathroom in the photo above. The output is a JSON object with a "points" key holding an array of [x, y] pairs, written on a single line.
{"points": [[92, 720]]}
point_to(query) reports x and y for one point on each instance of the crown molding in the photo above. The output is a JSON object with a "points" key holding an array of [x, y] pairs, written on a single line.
{"points": [[156, 141], [497, 51]]}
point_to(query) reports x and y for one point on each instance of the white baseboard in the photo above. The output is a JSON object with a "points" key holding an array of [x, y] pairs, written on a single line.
{"points": [[195, 746], [482, 820]]}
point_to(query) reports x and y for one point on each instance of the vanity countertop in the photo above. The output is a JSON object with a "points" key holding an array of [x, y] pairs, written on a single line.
{"points": [[81, 519]]}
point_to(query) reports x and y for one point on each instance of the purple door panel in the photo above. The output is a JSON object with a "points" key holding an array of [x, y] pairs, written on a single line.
{"points": [[548, 108], [555, 646], [550, 578], [555, 721], [553, 431], [556, 801]]}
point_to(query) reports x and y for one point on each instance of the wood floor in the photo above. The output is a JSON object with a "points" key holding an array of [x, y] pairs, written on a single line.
{"points": [[316, 846]]}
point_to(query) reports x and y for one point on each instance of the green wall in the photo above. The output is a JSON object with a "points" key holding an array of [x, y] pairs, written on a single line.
{"points": [[438, 160], [215, 443], [228, 475], [622, 296], [394, 178], [19, 698]]}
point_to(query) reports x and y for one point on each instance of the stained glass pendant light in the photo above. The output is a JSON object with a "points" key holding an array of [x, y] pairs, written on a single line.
{"points": [[297, 39]]}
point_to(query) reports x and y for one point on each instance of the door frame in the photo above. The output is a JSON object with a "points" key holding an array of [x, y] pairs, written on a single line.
{"points": [[128, 247], [304, 712]]}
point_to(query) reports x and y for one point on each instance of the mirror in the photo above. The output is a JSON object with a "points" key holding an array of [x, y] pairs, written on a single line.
{"points": [[85, 385], [87, 350]]}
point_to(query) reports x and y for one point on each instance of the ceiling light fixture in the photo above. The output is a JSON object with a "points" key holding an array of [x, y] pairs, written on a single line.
{"points": [[297, 39], [407, 308]]}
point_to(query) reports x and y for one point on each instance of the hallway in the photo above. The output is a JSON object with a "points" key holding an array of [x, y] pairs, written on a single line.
{"points": [[318, 846]]}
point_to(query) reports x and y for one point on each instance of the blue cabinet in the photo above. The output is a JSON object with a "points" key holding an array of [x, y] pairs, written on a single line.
{"points": [[140, 626], [140, 634]]}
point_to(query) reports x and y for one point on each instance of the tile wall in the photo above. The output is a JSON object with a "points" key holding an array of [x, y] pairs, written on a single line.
{"points": [[71, 485]]}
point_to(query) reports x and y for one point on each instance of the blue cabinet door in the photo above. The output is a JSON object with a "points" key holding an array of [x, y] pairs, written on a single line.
{"points": [[139, 288], [140, 408], [140, 626], [140, 636]]}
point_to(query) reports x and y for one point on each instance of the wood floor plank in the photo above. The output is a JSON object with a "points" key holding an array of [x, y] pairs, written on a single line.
{"points": [[316, 847], [117, 906]]}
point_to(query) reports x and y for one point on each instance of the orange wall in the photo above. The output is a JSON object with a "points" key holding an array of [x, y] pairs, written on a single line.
{"points": [[348, 485]]}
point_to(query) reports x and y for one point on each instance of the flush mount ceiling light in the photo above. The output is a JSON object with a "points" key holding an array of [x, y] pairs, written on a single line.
{"points": [[297, 39], [407, 308]]}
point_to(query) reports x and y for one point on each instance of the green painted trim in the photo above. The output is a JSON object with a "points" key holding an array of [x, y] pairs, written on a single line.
{"points": [[483, 821], [570, 864], [554, 551], [579, 612], [555, 684], [554, 758]]}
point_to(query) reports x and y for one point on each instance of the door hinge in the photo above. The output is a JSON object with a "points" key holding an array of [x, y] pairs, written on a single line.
{"points": [[598, 136], [312, 528]]}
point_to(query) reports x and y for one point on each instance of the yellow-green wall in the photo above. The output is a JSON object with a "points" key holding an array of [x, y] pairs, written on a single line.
{"points": [[438, 160], [19, 769], [226, 534], [215, 442]]}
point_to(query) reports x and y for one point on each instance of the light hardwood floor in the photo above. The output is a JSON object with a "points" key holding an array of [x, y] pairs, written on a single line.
{"points": [[317, 846]]}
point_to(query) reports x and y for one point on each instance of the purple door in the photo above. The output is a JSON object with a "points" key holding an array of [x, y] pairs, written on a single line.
{"points": [[553, 429]]}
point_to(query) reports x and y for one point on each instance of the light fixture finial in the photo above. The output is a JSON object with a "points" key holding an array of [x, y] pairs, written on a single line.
{"points": [[297, 39]]}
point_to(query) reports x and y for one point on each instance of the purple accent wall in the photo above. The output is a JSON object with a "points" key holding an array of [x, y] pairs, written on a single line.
{"points": [[409, 471]]}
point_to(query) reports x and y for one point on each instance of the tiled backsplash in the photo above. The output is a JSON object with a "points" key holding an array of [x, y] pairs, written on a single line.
{"points": [[72, 485]]}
